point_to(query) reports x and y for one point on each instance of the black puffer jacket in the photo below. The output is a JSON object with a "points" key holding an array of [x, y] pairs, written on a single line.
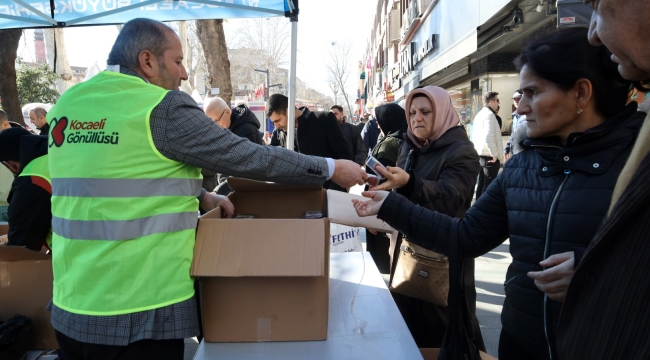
{"points": [[548, 200], [244, 123]]}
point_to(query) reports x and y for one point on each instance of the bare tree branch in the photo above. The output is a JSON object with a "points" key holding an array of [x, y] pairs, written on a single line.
{"points": [[339, 68]]}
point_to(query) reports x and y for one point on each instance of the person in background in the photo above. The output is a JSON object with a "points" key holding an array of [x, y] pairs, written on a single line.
{"points": [[351, 136], [513, 147], [317, 133], [436, 168], [38, 117], [370, 133], [241, 121], [6, 176], [30, 210], [486, 136], [125, 214], [391, 119], [550, 199], [606, 313]]}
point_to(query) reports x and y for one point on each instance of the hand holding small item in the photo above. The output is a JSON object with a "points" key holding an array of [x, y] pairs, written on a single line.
{"points": [[370, 207], [212, 200], [395, 178], [555, 280]]}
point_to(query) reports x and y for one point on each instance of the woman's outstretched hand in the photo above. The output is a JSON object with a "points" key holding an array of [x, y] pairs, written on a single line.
{"points": [[395, 178], [370, 207]]}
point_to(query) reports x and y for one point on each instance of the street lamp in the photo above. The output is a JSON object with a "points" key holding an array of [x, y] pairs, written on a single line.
{"points": [[266, 84]]}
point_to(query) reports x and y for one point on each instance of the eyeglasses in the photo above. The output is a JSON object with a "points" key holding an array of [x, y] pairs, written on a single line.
{"points": [[220, 116]]}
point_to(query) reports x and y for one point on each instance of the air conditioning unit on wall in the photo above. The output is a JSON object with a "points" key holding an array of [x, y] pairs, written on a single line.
{"points": [[393, 26]]}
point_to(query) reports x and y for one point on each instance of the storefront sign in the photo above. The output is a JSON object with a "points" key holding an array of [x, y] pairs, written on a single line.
{"points": [[424, 50], [406, 60]]}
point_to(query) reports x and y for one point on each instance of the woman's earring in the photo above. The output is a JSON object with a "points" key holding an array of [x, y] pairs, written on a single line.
{"points": [[579, 111]]}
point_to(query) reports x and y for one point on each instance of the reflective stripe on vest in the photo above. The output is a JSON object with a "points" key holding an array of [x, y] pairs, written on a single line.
{"points": [[124, 216], [40, 167]]}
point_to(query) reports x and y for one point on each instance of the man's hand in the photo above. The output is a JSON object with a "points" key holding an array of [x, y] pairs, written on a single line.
{"points": [[555, 280], [372, 206], [494, 159], [395, 178], [4, 239], [348, 173], [212, 200], [506, 156]]}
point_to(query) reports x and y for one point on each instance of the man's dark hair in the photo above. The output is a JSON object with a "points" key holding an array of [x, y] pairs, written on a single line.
{"points": [[10, 143], [3, 116], [337, 107], [491, 95], [136, 36], [277, 103], [548, 58]]}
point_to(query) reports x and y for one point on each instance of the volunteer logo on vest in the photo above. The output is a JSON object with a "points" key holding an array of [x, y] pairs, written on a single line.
{"points": [[83, 132]]}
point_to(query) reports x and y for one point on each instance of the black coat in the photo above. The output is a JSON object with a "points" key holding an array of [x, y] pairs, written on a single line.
{"points": [[30, 208], [358, 148], [548, 200], [244, 123], [318, 134], [442, 177]]}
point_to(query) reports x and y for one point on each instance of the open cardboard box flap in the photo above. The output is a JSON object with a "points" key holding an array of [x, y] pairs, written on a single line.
{"points": [[290, 247], [339, 204], [19, 253]]}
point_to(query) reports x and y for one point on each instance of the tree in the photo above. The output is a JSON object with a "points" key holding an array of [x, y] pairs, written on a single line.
{"points": [[213, 40], [266, 41], [338, 67], [55, 42], [9, 40], [36, 84]]}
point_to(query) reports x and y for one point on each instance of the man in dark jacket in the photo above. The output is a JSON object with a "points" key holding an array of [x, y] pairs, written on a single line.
{"points": [[241, 121], [606, 313], [30, 210], [318, 133], [37, 116], [370, 134], [350, 132]]}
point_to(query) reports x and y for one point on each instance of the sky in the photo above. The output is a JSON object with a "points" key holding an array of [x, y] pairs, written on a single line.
{"points": [[321, 22]]}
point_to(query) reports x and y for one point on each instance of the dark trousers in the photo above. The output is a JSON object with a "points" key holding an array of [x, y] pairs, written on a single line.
{"points": [[379, 246], [489, 173], [144, 349], [509, 349]]}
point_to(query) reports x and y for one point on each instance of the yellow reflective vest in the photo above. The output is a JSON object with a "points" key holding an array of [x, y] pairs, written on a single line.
{"points": [[123, 215]]}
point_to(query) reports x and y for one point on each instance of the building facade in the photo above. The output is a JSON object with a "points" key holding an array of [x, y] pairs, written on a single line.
{"points": [[465, 46]]}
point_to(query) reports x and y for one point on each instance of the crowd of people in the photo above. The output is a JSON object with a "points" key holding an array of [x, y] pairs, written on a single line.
{"points": [[569, 192]]}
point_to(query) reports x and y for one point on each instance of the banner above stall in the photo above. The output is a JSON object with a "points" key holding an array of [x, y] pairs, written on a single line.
{"points": [[62, 13]]}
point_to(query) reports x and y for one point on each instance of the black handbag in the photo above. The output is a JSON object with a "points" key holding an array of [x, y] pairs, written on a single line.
{"points": [[459, 342]]}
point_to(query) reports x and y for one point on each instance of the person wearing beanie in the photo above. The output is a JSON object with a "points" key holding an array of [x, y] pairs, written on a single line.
{"points": [[30, 211]]}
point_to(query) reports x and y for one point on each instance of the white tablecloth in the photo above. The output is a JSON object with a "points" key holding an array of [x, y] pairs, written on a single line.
{"points": [[385, 335]]}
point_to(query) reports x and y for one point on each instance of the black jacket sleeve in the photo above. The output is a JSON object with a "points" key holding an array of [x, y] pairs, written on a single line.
{"points": [[30, 215], [484, 227], [448, 193], [335, 139], [361, 152]]}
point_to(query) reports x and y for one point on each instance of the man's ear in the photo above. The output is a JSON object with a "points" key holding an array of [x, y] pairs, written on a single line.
{"points": [[148, 64]]}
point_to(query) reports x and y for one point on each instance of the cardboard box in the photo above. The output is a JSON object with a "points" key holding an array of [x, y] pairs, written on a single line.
{"points": [[267, 278], [26, 289]]}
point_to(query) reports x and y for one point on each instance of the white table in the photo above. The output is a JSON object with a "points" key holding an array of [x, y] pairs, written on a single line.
{"points": [[385, 337]]}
